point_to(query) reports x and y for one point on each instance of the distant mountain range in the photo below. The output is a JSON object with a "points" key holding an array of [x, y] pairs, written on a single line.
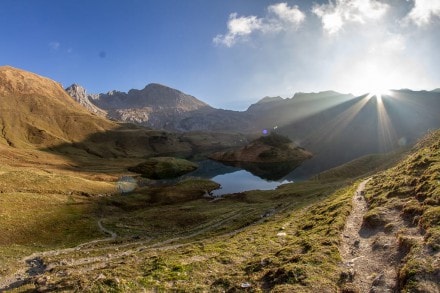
{"points": [[37, 113], [335, 127]]}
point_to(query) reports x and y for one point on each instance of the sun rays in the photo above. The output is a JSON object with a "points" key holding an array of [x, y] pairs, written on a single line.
{"points": [[385, 130], [375, 123]]}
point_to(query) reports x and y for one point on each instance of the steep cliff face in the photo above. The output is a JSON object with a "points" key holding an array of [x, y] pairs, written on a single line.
{"points": [[79, 94], [335, 127]]}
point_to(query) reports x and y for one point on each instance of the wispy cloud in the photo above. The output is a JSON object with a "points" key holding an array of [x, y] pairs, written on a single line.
{"points": [[280, 17], [334, 16], [54, 45], [238, 27], [424, 11]]}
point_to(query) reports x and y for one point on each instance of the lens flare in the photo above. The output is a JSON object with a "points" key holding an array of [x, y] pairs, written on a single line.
{"points": [[126, 184]]}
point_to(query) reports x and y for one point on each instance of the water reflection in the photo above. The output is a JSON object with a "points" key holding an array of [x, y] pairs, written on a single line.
{"points": [[267, 171], [243, 180], [240, 177]]}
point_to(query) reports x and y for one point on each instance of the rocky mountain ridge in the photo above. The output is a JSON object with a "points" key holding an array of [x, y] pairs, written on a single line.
{"points": [[335, 127], [155, 106]]}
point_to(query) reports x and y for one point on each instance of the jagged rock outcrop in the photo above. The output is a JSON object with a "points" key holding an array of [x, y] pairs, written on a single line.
{"points": [[36, 113], [154, 95], [156, 106], [79, 94]]}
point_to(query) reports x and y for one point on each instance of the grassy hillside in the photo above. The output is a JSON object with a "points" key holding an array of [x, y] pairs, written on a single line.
{"points": [[36, 111], [172, 238], [412, 189], [283, 240]]}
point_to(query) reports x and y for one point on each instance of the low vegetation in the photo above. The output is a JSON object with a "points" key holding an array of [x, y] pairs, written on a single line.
{"points": [[412, 189]]}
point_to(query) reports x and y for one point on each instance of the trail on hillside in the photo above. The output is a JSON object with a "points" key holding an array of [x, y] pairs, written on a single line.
{"points": [[34, 265], [370, 256]]}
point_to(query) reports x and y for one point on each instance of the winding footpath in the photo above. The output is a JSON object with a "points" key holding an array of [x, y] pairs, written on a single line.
{"points": [[370, 256]]}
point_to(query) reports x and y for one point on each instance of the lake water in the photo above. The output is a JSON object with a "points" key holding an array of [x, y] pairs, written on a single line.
{"points": [[236, 179], [243, 180], [245, 177]]}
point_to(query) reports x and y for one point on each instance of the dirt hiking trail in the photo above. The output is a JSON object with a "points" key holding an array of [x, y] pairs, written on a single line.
{"points": [[370, 256]]}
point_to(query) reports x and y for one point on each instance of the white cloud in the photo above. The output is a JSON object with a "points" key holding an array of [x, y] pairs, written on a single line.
{"points": [[243, 25], [238, 27], [280, 17], [423, 12], [288, 14], [335, 15]]}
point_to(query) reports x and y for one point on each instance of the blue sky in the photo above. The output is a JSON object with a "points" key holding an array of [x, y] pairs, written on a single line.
{"points": [[228, 53]]}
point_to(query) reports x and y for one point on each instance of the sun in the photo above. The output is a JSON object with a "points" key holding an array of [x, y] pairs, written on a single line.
{"points": [[380, 92], [371, 76]]}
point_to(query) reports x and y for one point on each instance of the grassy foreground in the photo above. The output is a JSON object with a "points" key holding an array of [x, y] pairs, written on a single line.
{"points": [[412, 188], [283, 240], [175, 239]]}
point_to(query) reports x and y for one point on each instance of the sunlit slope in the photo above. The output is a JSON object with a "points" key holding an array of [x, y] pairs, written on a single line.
{"points": [[36, 112]]}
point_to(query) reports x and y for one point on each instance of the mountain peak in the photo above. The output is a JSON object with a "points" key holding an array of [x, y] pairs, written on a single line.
{"points": [[154, 95], [79, 94]]}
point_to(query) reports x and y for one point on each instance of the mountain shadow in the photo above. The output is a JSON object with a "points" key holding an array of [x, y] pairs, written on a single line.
{"points": [[365, 125], [128, 144]]}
